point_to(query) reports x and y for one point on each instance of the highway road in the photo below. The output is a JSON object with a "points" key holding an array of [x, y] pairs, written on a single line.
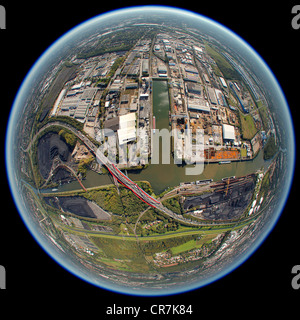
{"points": [[119, 175]]}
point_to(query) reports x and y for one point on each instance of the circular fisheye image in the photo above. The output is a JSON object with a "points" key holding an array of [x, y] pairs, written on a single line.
{"points": [[150, 151]]}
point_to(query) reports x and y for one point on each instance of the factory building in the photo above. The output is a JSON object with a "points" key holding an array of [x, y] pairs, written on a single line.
{"points": [[224, 84], [205, 76], [211, 95], [58, 101], [134, 69], [75, 102], [191, 77], [124, 99], [131, 85], [198, 49], [89, 94], [115, 87], [145, 67], [191, 69], [228, 133], [127, 128], [193, 88], [84, 104], [162, 69], [199, 107], [81, 111]]}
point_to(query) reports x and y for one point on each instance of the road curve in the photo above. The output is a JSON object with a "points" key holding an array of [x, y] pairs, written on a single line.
{"points": [[122, 178]]}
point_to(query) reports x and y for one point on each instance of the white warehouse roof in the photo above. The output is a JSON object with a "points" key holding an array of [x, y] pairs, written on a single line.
{"points": [[127, 120], [199, 107], [127, 131], [126, 135], [228, 132]]}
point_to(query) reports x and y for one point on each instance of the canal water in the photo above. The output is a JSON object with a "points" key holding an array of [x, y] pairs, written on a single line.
{"points": [[162, 176]]}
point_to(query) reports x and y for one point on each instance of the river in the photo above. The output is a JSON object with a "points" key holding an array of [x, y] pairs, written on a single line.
{"points": [[162, 176]]}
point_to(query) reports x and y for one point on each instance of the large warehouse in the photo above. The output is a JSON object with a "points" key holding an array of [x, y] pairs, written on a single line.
{"points": [[199, 107], [127, 128], [193, 87], [228, 133]]}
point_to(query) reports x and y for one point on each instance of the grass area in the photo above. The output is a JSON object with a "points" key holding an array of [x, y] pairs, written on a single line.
{"points": [[224, 66], [193, 244], [184, 247], [248, 127], [270, 148], [131, 256], [116, 264], [122, 254], [124, 229], [263, 112], [243, 152], [182, 231], [124, 204]]}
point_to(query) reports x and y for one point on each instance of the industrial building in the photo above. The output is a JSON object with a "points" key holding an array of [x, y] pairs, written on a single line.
{"points": [[74, 103], [133, 104], [81, 111], [205, 76], [162, 69], [88, 94], [228, 133], [115, 87], [211, 95], [193, 88], [199, 107], [191, 69], [224, 84], [220, 97], [124, 99], [131, 85], [145, 67], [84, 103], [127, 128], [58, 101], [134, 69], [198, 49]]}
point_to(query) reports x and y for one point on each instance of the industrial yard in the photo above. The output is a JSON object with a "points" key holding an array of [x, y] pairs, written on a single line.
{"points": [[121, 100], [97, 184], [113, 92]]}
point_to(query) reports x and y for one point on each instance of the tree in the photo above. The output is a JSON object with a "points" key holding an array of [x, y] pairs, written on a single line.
{"points": [[270, 148], [68, 137]]}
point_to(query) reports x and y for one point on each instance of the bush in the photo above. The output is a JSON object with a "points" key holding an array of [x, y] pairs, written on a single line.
{"points": [[270, 148]]}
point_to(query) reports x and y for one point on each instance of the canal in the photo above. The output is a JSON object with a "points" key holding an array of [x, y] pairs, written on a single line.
{"points": [[162, 176]]}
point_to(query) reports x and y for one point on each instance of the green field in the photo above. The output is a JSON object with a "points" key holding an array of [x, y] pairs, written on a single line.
{"points": [[223, 64], [192, 244], [248, 127], [243, 152], [185, 247], [121, 254]]}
